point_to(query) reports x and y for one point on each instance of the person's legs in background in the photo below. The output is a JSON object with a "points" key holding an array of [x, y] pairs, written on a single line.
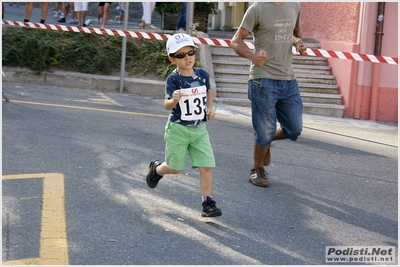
{"points": [[45, 8], [29, 9], [101, 12], [106, 14], [73, 15], [181, 24], [85, 7], [78, 12]]}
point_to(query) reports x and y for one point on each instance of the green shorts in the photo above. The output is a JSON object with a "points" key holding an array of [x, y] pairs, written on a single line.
{"points": [[193, 139]]}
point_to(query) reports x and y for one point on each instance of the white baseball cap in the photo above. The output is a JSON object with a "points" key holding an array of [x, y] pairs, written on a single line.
{"points": [[177, 41]]}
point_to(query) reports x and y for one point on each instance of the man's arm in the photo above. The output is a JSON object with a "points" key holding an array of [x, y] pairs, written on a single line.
{"points": [[301, 47], [297, 33], [239, 46]]}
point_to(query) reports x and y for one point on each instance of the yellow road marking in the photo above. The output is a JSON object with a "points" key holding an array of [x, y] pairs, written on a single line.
{"points": [[92, 109], [53, 232], [95, 101]]}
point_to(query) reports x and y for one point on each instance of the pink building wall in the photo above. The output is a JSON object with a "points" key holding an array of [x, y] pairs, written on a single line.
{"points": [[330, 21], [350, 27]]}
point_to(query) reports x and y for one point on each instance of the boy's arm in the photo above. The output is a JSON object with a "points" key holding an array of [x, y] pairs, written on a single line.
{"points": [[171, 103], [210, 102]]}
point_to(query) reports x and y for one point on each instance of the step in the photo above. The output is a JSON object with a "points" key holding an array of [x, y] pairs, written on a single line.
{"points": [[309, 60], [304, 84], [228, 54], [311, 69], [237, 93], [244, 65], [321, 98], [229, 50], [223, 75], [332, 110], [239, 64], [241, 93], [232, 57], [298, 69], [315, 78], [318, 88]]}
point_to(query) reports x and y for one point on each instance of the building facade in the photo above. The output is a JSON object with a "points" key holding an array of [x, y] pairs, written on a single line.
{"points": [[369, 90]]}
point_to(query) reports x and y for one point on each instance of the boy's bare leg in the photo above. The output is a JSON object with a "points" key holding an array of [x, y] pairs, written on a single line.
{"points": [[206, 181], [164, 169]]}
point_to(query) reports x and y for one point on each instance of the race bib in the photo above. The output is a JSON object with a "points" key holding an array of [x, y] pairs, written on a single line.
{"points": [[193, 103]]}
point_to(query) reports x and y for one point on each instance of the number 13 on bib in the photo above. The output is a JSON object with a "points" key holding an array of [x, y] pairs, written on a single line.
{"points": [[193, 103]]}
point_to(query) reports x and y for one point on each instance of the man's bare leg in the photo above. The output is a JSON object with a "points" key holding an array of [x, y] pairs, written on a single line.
{"points": [[264, 152]]}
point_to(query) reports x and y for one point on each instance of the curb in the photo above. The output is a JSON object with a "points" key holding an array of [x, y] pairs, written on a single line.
{"points": [[140, 87]]}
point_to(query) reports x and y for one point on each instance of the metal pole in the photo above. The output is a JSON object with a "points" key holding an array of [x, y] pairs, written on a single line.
{"points": [[379, 28], [376, 67], [123, 52], [189, 17]]}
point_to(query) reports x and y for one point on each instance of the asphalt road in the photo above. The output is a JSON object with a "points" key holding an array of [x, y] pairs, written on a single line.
{"points": [[74, 191]]}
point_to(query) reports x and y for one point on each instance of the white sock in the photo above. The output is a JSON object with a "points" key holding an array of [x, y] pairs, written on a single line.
{"points": [[204, 198]]}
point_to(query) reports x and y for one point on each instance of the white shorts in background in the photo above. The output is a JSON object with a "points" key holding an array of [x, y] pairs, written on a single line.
{"points": [[81, 6]]}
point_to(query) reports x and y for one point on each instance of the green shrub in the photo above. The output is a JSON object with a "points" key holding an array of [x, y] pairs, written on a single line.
{"points": [[44, 50]]}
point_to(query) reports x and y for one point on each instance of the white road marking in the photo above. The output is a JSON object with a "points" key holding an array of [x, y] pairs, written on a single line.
{"points": [[109, 99]]}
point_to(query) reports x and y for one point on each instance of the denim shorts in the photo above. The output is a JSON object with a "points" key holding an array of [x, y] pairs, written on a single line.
{"points": [[271, 101], [193, 140]]}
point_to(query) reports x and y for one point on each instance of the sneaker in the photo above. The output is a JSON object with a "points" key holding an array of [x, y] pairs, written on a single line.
{"points": [[87, 22], [259, 177], [267, 159], [152, 177], [73, 22], [62, 20], [209, 208], [56, 15]]}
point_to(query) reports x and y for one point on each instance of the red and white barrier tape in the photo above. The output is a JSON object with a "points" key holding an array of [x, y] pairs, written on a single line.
{"points": [[206, 41]]}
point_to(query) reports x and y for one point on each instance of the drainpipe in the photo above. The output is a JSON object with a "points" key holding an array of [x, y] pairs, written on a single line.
{"points": [[376, 68], [360, 33]]}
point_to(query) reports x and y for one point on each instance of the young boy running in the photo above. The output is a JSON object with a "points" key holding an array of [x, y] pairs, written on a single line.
{"points": [[190, 100]]}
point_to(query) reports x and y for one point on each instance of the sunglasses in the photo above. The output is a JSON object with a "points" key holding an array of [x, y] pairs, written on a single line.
{"points": [[183, 55]]}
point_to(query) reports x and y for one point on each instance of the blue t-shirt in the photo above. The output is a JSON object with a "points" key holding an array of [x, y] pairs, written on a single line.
{"points": [[177, 81]]}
